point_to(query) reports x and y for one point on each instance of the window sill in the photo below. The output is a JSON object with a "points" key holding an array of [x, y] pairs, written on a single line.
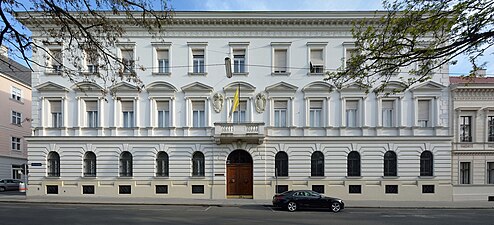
{"points": [[197, 177], [126, 178], [390, 177], [18, 101], [52, 178], [89, 177], [426, 177], [241, 74], [280, 74], [197, 74], [161, 177], [317, 177], [53, 73], [353, 177], [161, 74], [90, 74], [15, 124], [315, 74], [282, 177]]}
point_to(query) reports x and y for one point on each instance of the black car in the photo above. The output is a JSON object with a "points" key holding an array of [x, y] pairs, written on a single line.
{"points": [[293, 200]]}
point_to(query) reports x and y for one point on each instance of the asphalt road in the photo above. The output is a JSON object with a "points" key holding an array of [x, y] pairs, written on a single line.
{"points": [[24, 213]]}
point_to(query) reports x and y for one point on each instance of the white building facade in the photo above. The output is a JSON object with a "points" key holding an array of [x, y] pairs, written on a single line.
{"points": [[292, 130], [473, 144]]}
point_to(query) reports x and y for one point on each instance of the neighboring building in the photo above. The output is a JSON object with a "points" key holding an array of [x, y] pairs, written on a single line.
{"points": [[15, 123], [473, 144], [292, 130]]}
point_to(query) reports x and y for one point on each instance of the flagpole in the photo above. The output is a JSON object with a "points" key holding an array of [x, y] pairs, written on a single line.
{"points": [[238, 110]]}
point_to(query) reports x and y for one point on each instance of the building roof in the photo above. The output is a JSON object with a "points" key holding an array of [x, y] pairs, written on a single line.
{"points": [[471, 80], [15, 70]]}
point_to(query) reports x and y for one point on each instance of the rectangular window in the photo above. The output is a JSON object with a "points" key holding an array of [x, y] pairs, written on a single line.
{"points": [[315, 113], [387, 113], [16, 143], [318, 188], [124, 189], [128, 114], [198, 61], [465, 129], [239, 60], [163, 60], [92, 62], [464, 172], [161, 189], [351, 113], [163, 113], [56, 60], [281, 188], [316, 61], [16, 94], [490, 172], [197, 189], [280, 61], [128, 62], [56, 113], [92, 113], [490, 129], [88, 189], [239, 116], [349, 53], [427, 189], [16, 118], [424, 113], [280, 111], [355, 189], [52, 189], [391, 189], [198, 114]]}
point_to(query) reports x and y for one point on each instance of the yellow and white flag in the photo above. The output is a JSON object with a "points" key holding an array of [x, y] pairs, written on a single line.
{"points": [[235, 102]]}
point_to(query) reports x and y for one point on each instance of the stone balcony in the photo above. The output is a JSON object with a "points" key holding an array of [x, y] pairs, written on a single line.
{"points": [[225, 133]]}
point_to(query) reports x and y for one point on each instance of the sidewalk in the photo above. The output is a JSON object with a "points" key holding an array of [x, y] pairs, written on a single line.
{"points": [[241, 202]]}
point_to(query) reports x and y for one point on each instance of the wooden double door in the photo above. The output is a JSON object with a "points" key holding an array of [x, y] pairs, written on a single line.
{"points": [[239, 174]]}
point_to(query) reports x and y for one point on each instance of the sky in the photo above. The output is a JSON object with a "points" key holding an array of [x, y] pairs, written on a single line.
{"points": [[461, 68]]}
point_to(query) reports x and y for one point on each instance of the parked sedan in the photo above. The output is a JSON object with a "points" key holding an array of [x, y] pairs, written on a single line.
{"points": [[293, 200], [9, 185]]}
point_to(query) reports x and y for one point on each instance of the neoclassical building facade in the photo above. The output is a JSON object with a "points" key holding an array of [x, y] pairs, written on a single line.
{"points": [[291, 130], [473, 144]]}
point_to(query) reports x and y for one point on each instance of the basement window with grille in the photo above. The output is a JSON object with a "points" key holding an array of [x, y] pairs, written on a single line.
{"points": [[52, 189], [427, 189], [318, 188], [391, 189], [88, 189], [124, 189], [197, 189], [355, 189], [161, 189], [281, 188]]}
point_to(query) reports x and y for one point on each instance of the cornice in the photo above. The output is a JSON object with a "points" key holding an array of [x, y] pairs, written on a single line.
{"points": [[473, 94]]}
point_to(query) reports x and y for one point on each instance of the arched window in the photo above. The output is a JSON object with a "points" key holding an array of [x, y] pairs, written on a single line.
{"points": [[353, 164], [53, 164], [89, 164], [317, 164], [198, 164], [162, 164], [390, 164], [426, 164], [126, 164], [281, 164]]}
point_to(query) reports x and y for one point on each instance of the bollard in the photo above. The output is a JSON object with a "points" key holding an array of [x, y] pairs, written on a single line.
{"points": [[22, 187]]}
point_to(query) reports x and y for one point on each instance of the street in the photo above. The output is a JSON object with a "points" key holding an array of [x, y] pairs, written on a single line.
{"points": [[42, 213]]}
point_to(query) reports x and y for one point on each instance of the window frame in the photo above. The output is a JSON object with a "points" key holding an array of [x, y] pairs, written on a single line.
{"points": [[16, 118], [390, 164], [280, 46], [278, 120], [281, 164], [198, 164], [465, 128], [128, 64], [490, 128], [391, 112], [490, 172], [313, 111], [92, 116], [16, 143], [128, 119], [316, 46], [193, 46], [16, 94], [126, 165], [89, 164], [53, 164], [316, 160], [239, 46], [429, 122], [162, 164], [425, 169], [57, 118], [465, 174], [198, 119], [354, 164]]}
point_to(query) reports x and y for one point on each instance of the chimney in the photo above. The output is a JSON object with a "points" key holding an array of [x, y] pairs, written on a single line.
{"points": [[480, 72], [4, 51]]}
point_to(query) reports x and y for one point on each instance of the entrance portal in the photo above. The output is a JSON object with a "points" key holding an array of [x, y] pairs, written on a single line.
{"points": [[239, 175]]}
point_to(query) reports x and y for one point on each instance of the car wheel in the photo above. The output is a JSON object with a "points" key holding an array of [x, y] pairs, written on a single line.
{"points": [[2, 189], [335, 207], [292, 206]]}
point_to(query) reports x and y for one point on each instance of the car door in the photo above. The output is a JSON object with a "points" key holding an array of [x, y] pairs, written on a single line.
{"points": [[313, 200], [9, 184], [299, 198]]}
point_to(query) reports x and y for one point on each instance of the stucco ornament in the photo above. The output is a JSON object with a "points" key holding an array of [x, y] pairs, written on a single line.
{"points": [[260, 102], [218, 100]]}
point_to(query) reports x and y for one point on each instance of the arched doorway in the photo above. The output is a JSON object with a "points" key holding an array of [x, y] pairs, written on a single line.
{"points": [[239, 174]]}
